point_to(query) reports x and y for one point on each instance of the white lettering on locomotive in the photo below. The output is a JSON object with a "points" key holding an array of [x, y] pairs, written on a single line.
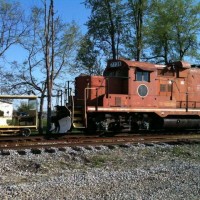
{"points": [[116, 64]]}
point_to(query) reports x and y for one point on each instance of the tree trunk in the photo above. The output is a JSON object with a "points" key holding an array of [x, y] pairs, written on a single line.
{"points": [[50, 61], [112, 31]]}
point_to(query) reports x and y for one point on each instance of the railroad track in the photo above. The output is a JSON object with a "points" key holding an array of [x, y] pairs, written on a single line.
{"points": [[34, 142]]}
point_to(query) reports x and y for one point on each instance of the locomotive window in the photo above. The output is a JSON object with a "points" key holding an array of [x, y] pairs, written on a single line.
{"points": [[117, 73], [142, 90], [110, 73], [162, 88], [142, 76], [169, 88], [122, 73], [165, 88]]}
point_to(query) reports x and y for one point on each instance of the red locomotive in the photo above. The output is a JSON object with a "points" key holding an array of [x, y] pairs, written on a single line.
{"points": [[135, 95]]}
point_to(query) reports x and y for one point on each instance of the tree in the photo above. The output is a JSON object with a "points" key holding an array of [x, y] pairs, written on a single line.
{"points": [[12, 27], [172, 29], [24, 107], [49, 34], [87, 58], [12, 30], [105, 25], [134, 33], [186, 28], [49, 48]]}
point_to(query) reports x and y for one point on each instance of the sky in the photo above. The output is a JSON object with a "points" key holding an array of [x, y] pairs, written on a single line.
{"points": [[68, 10]]}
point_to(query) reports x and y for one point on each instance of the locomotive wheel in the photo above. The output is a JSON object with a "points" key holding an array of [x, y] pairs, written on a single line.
{"points": [[25, 132], [134, 126], [92, 127]]}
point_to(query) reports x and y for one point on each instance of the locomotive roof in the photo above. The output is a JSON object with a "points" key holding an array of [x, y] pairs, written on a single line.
{"points": [[180, 64], [142, 65], [146, 66], [131, 64]]}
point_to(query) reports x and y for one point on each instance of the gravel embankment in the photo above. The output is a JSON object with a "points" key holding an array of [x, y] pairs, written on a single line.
{"points": [[105, 172]]}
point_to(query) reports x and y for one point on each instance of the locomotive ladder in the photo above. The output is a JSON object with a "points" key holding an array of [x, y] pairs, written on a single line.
{"points": [[78, 118]]}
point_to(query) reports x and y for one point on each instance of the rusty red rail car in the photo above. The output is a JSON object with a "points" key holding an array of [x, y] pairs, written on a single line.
{"points": [[134, 95]]}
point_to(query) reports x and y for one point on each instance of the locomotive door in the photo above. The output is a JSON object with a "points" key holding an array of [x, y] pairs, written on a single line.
{"points": [[167, 93], [174, 93], [187, 94], [182, 95]]}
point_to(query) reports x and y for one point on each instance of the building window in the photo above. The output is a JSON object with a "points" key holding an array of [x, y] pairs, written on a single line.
{"points": [[142, 76]]}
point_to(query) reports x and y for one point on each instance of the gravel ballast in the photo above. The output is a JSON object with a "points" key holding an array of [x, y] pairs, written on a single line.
{"points": [[105, 172]]}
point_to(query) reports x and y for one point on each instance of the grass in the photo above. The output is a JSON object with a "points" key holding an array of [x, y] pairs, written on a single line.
{"points": [[98, 161], [108, 159], [186, 152]]}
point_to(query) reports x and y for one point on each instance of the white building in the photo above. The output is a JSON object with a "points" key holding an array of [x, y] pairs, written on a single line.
{"points": [[7, 109]]}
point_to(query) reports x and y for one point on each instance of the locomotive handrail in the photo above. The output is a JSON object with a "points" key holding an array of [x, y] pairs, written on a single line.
{"points": [[85, 102], [72, 113]]}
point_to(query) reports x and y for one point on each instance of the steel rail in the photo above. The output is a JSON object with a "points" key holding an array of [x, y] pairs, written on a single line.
{"points": [[65, 141]]}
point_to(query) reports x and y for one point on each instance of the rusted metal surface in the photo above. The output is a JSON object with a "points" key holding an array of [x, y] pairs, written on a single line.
{"points": [[139, 95], [175, 94]]}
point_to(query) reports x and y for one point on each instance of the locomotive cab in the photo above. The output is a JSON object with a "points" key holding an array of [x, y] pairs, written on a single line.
{"points": [[134, 85]]}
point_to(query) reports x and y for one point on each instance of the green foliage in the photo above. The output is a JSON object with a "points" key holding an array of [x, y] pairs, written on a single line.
{"points": [[179, 151], [154, 30], [172, 29], [98, 161], [24, 107], [105, 25], [87, 57], [136, 12]]}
